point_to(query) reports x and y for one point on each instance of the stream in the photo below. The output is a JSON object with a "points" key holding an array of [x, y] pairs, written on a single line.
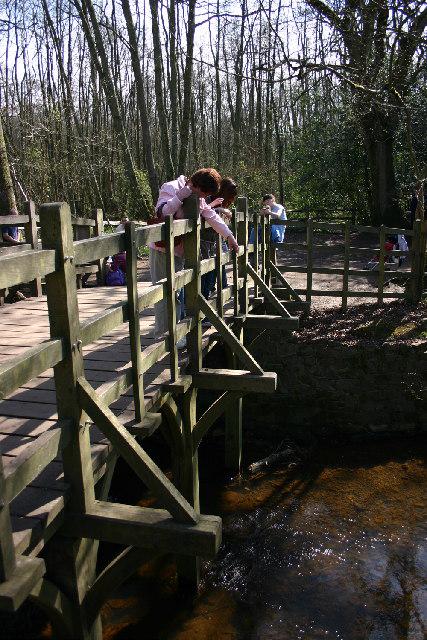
{"points": [[334, 548]]}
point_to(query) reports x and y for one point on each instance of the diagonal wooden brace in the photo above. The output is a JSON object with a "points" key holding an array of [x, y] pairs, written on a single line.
{"points": [[275, 271], [212, 414], [269, 295], [134, 454], [229, 338]]}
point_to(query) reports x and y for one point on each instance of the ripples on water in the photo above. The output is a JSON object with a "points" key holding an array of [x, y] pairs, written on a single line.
{"points": [[333, 551]]}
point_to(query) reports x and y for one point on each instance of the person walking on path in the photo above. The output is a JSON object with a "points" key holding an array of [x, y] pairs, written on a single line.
{"points": [[203, 183]]}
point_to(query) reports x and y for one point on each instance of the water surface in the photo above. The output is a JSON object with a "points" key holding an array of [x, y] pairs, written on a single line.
{"points": [[336, 548]]}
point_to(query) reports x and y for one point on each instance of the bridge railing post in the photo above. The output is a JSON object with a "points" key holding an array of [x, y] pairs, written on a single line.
{"points": [[72, 564], [242, 239], [193, 288], [189, 567], [32, 239], [134, 325], [256, 249], [7, 549]]}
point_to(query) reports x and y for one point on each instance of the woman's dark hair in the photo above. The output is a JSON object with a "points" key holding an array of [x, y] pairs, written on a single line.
{"points": [[268, 196], [228, 191], [207, 180]]}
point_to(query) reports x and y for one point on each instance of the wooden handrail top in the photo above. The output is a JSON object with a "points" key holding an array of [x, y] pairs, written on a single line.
{"points": [[83, 222], [30, 364], [24, 266], [14, 220]]}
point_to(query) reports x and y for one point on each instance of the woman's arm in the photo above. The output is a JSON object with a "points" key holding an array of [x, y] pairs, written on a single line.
{"points": [[218, 224], [169, 203]]}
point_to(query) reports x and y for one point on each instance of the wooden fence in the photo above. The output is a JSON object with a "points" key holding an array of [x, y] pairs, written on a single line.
{"points": [[348, 251]]}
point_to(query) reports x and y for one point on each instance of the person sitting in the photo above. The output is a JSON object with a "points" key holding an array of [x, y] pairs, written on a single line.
{"points": [[203, 183]]}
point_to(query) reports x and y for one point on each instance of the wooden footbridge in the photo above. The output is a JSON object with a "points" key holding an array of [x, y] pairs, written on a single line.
{"points": [[83, 381]]}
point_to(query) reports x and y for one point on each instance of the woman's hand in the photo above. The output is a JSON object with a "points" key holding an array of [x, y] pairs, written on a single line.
{"points": [[216, 202], [232, 243], [225, 212]]}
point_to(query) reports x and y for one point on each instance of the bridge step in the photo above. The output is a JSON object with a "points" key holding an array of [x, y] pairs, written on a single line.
{"points": [[148, 528], [13, 592], [235, 380]]}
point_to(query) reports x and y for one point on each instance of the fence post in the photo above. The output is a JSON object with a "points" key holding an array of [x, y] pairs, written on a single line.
{"points": [[381, 267], [7, 548], [309, 287], [256, 251], [219, 268], [70, 563], [31, 238], [170, 296], [235, 260], [346, 265], [189, 567], [263, 249], [242, 239], [193, 289], [134, 328], [98, 216], [418, 261]]}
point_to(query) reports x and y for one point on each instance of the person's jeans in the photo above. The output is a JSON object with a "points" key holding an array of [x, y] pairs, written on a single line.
{"points": [[158, 272]]}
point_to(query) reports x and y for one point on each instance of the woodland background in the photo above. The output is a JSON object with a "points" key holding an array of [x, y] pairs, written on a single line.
{"points": [[322, 102]]}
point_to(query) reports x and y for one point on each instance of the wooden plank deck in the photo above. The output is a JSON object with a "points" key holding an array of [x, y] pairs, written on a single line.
{"points": [[31, 411]]}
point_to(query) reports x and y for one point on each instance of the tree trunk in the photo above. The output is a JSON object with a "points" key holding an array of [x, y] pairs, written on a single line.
{"points": [[379, 131], [7, 194], [142, 103], [188, 75], [99, 57], [158, 83]]}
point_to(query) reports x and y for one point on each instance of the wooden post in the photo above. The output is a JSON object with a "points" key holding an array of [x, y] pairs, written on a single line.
{"points": [[263, 249], [418, 261], [235, 259], [346, 265], [170, 296], [188, 567], [233, 419], [242, 239], [309, 260], [71, 563], [193, 288], [31, 238], [98, 230], [134, 326], [218, 266], [256, 251], [7, 549], [268, 244], [381, 265]]}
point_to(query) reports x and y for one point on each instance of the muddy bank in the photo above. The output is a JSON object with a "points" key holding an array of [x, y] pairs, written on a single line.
{"points": [[357, 373]]}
